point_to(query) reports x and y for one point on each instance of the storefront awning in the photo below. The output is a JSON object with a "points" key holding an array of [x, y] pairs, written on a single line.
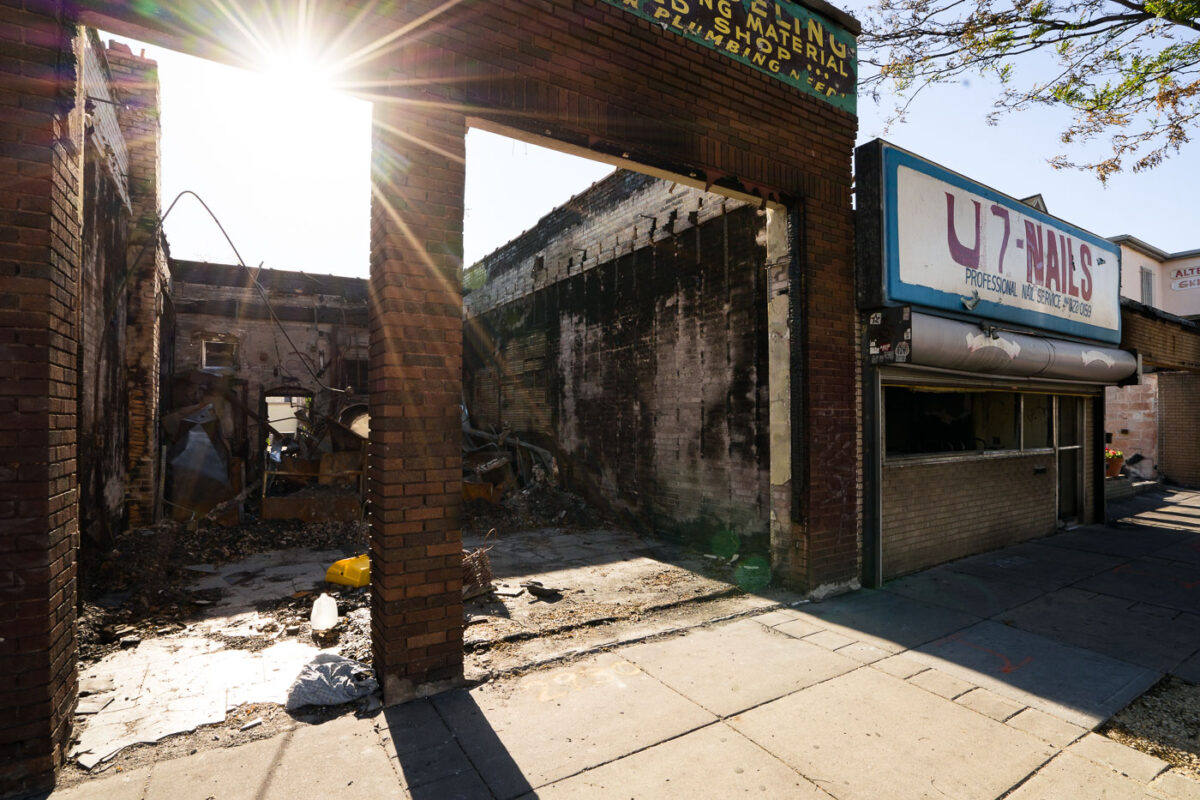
{"points": [[962, 346]]}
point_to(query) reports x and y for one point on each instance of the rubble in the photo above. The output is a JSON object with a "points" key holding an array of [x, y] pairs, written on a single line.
{"points": [[143, 586]]}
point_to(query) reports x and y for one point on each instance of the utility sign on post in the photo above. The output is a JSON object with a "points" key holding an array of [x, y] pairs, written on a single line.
{"points": [[946, 242]]}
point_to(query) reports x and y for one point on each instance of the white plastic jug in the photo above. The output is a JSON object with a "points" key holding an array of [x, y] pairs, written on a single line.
{"points": [[324, 613]]}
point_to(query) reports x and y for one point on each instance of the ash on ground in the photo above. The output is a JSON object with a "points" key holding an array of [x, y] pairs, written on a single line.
{"points": [[142, 587]]}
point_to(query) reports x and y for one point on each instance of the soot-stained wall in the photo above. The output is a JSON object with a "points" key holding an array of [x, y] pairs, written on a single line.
{"points": [[627, 332]]}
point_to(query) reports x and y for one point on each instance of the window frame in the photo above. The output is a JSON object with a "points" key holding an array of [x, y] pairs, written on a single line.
{"points": [[960, 455], [204, 353]]}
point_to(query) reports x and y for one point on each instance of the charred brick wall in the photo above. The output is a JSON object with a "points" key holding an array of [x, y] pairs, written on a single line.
{"points": [[936, 510], [103, 306], [627, 332], [40, 165], [135, 81], [325, 317], [1179, 427]]}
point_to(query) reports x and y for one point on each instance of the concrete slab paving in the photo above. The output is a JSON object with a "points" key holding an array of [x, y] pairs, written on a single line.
{"points": [[1175, 786], [990, 704], [828, 640], [233, 773], [1173, 518], [1116, 756], [961, 591], [544, 727], [1069, 777], [773, 618], [1057, 732], [863, 653], [1035, 564], [799, 628], [1080, 686], [338, 757], [715, 761], [729, 668], [1187, 551], [1114, 626], [1126, 541], [900, 666], [903, 743], [423, 750], [1175, 584], [1189, 670], [123, 786], [941, 684], [888, 621]]}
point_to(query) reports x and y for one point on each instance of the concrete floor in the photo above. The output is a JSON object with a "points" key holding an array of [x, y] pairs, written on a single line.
{"points": [[979, 679]]}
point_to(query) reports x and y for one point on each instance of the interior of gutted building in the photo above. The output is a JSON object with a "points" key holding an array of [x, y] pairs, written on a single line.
{"points": [[224, 435]]}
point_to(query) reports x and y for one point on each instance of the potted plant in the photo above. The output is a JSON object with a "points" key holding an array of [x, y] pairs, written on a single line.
{"points": [[1113, 459]]}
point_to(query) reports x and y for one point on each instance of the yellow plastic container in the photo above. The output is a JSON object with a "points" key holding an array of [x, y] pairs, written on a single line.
{"points": [[354, 571]]}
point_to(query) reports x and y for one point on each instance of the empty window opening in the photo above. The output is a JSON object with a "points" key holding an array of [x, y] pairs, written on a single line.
{"points": [[219, 355]]}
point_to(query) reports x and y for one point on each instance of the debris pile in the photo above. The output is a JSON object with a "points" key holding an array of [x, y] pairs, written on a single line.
{"points": [[143, 586], [213, 464]]}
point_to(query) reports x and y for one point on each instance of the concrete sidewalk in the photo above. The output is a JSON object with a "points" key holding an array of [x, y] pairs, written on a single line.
{"points": [[978, 679]]}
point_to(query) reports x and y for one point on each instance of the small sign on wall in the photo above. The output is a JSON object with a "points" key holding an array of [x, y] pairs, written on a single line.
{"points": [[781, 38], [1185, 278], [943, 241]]}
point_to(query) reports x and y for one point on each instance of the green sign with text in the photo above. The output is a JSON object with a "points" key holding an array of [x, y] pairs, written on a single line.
{"points": [[785, 40]]}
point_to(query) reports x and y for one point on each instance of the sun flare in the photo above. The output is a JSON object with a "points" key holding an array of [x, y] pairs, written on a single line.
{"points": [[299, 73]]}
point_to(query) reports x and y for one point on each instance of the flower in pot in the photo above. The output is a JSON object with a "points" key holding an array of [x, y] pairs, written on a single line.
{"points": [[1113, 459]]}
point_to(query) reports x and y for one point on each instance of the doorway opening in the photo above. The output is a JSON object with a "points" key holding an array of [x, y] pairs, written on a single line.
{"points": [[615, 399], [251, 374]]}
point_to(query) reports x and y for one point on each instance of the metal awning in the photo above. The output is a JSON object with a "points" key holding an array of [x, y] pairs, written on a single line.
{"points": [[965, 347]]}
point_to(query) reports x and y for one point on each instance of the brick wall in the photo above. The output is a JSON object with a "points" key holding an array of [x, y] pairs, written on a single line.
{"points": [[1179, 427], [1160, 339], [102, 309], [936, 510], [415, 460], [136, 83], [1131, 417], [627, 333], [40, 166], [325, 317]]}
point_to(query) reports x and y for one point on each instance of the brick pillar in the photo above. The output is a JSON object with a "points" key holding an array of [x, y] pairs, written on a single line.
{"points": [[136, 82], [40, 165], [416, 391], [825, 401]]}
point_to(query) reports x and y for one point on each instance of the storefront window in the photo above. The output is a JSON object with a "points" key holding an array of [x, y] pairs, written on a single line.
{"points": [[1036, 428], [921, 422]]}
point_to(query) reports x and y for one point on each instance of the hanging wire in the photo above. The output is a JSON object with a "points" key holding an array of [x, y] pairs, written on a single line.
{"points": [[253, 278]]}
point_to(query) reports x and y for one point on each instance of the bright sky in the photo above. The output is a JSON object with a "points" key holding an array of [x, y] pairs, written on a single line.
{"points": [[286, 169]]}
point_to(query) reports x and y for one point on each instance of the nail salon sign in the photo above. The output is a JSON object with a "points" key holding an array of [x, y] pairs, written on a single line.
{"points": [[953, 244]]}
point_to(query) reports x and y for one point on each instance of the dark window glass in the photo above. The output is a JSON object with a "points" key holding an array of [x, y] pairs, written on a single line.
{"points": [[1038, 431], [947, 422]]}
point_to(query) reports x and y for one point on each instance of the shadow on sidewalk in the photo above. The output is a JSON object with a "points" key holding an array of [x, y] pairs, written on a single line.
{"points": [[446, 749]]}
